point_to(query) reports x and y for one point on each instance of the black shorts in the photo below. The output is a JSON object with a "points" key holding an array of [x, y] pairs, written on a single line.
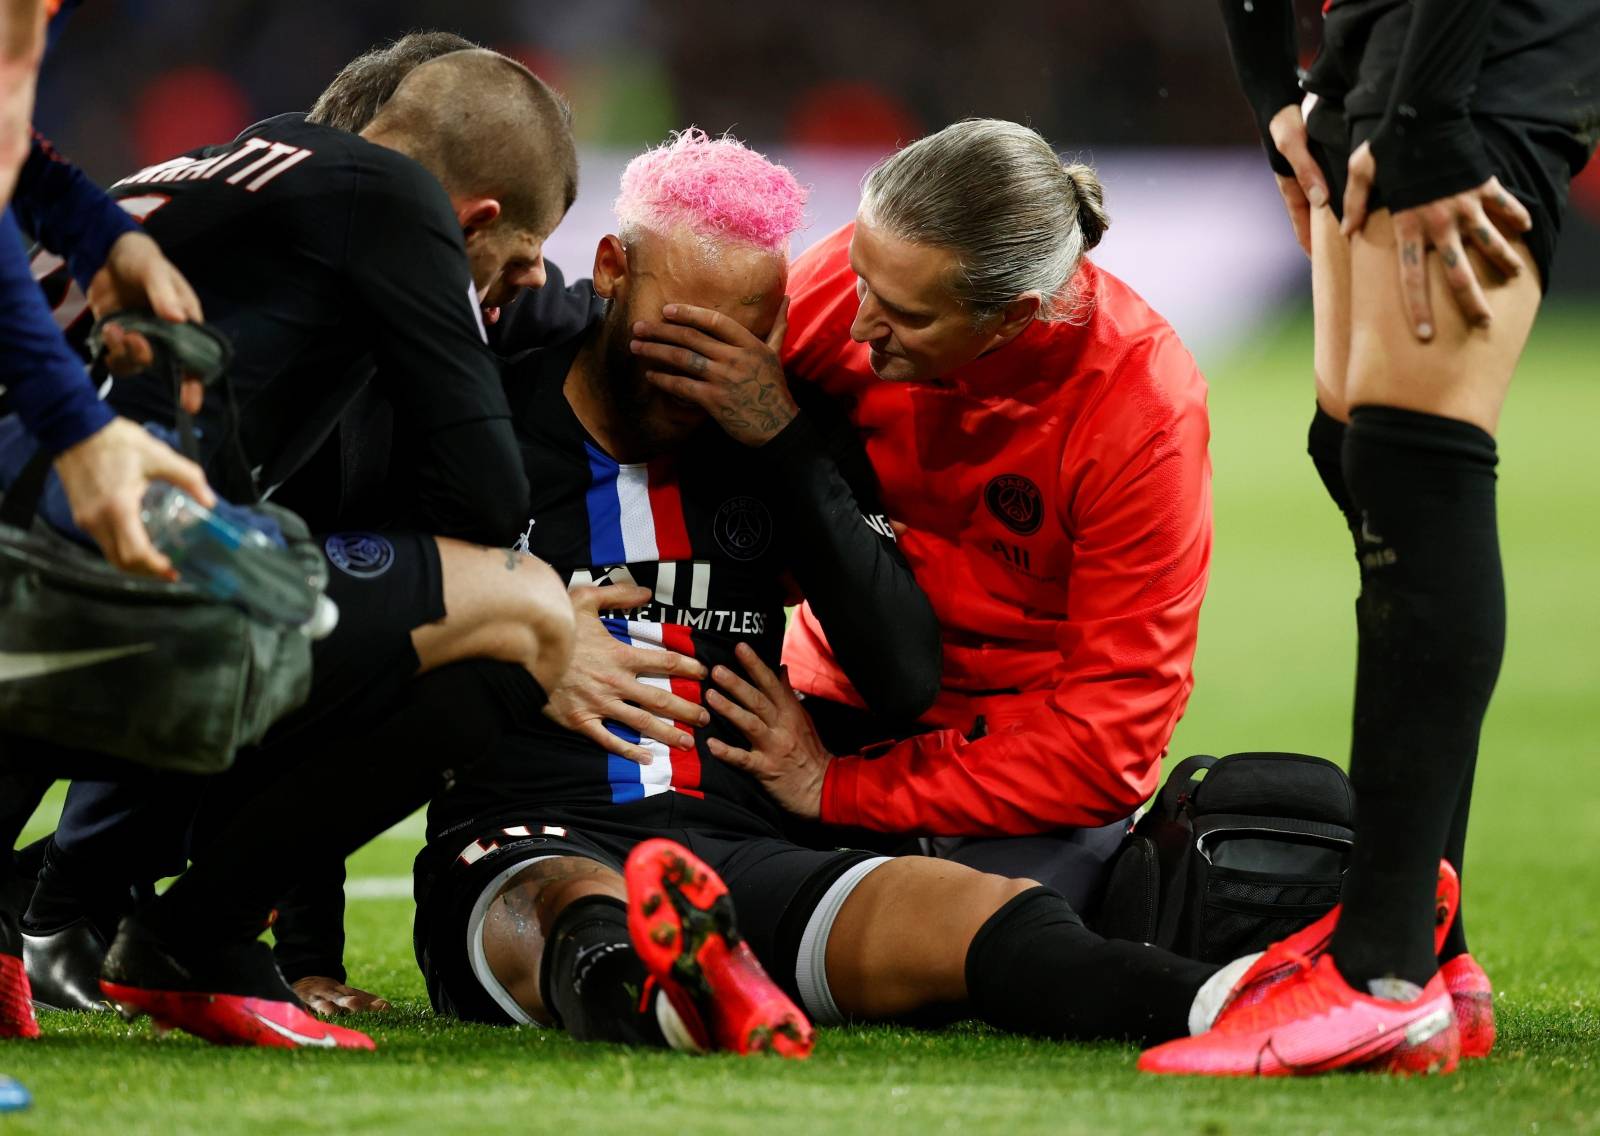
{"points": [[786, 897], [1534, 158], [386, 586]]}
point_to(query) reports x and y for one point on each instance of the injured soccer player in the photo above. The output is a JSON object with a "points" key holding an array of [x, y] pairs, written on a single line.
{"points": [[688, 494]]}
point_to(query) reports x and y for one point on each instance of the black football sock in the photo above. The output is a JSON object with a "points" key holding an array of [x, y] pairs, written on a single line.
{"points": [[70, 888], [1325, 444], [23, 783], [1034, 968], [1431, 622], [592, 979], [1455, 850]]}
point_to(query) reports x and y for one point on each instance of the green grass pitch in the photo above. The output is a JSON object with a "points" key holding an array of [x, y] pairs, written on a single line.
{"points": [[1274, 672]]}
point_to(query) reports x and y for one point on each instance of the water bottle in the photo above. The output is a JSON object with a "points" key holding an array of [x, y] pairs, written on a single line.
{"points": [[234, 563]]}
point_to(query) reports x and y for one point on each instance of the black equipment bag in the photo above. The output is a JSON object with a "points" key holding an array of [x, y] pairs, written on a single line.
{"points": [[1234, 854], [153, 672]]}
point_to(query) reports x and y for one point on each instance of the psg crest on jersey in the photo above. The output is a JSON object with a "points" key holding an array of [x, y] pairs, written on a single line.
{"points": [[743, 527], [1016, 503], [363, 555]]}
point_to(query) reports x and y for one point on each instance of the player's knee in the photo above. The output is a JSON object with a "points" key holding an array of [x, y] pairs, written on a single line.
{"points": [[545, 888], [988, 893]]}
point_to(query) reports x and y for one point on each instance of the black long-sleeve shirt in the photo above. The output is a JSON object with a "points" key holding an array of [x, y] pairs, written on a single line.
{"points": [[1262, 40], [332, 262], [362, 476]]}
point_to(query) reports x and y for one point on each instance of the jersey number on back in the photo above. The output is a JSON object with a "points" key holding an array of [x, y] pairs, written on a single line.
{"points": [[252, 165]]}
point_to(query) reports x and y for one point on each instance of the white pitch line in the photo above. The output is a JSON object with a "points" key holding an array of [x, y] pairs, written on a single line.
{"points": [[378, 887]]}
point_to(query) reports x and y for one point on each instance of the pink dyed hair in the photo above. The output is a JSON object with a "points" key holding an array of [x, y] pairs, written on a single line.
{"points": [[716, 188]]}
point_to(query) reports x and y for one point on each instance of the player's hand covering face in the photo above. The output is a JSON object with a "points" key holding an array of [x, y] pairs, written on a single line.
{"points": [[716, 355], [602, 682], [737, 378], [785, 753], [914, 326], [1485, 215]]}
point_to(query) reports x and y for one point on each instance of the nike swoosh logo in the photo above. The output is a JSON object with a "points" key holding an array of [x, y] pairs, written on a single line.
{"points": [[16, 665], [297, 1038]]}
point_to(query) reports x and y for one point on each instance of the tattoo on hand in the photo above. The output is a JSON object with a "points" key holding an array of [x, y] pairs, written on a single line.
{"points": [[1451, 258], [1483, 234], [1411, 254], [513, 560], [757, 401]]}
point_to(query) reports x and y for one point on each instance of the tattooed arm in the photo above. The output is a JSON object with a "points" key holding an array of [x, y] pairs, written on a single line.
{"points": [[737, 377]]}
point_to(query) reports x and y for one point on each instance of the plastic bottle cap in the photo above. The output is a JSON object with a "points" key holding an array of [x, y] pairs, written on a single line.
{"points": [[323, 620]]}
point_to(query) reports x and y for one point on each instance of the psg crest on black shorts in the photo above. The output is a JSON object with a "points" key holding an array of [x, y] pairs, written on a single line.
{"points": [[743, 527], [363, 555], [1016, 502]]}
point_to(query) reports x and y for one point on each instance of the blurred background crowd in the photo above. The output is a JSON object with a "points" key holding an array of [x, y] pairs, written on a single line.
{"points": [[1148, 95], [825, 73]]}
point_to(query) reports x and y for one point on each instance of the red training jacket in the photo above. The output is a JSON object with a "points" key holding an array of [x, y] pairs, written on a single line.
{"points": [[1057, 498]]}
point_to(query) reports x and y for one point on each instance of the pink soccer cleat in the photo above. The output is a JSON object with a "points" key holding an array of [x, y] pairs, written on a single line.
{"points": [[1315, 1022], [1474, 1003], [681, 921]]}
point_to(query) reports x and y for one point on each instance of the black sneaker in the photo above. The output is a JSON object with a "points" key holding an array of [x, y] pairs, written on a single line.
{"points": [[64, 967]]}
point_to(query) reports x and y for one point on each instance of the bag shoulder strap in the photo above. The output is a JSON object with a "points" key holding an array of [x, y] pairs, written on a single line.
{"points": [[22, 499], [193, 351], [1181, 782]]}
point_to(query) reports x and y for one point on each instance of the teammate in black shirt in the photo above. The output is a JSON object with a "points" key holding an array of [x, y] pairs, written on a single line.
{"points": [[113, 834], [1448, 131], [376, 262], [334, 261], [330, 261]]}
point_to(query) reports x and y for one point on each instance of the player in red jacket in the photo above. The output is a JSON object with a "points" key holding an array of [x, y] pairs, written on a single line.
{"points": [[1040, 436]]}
